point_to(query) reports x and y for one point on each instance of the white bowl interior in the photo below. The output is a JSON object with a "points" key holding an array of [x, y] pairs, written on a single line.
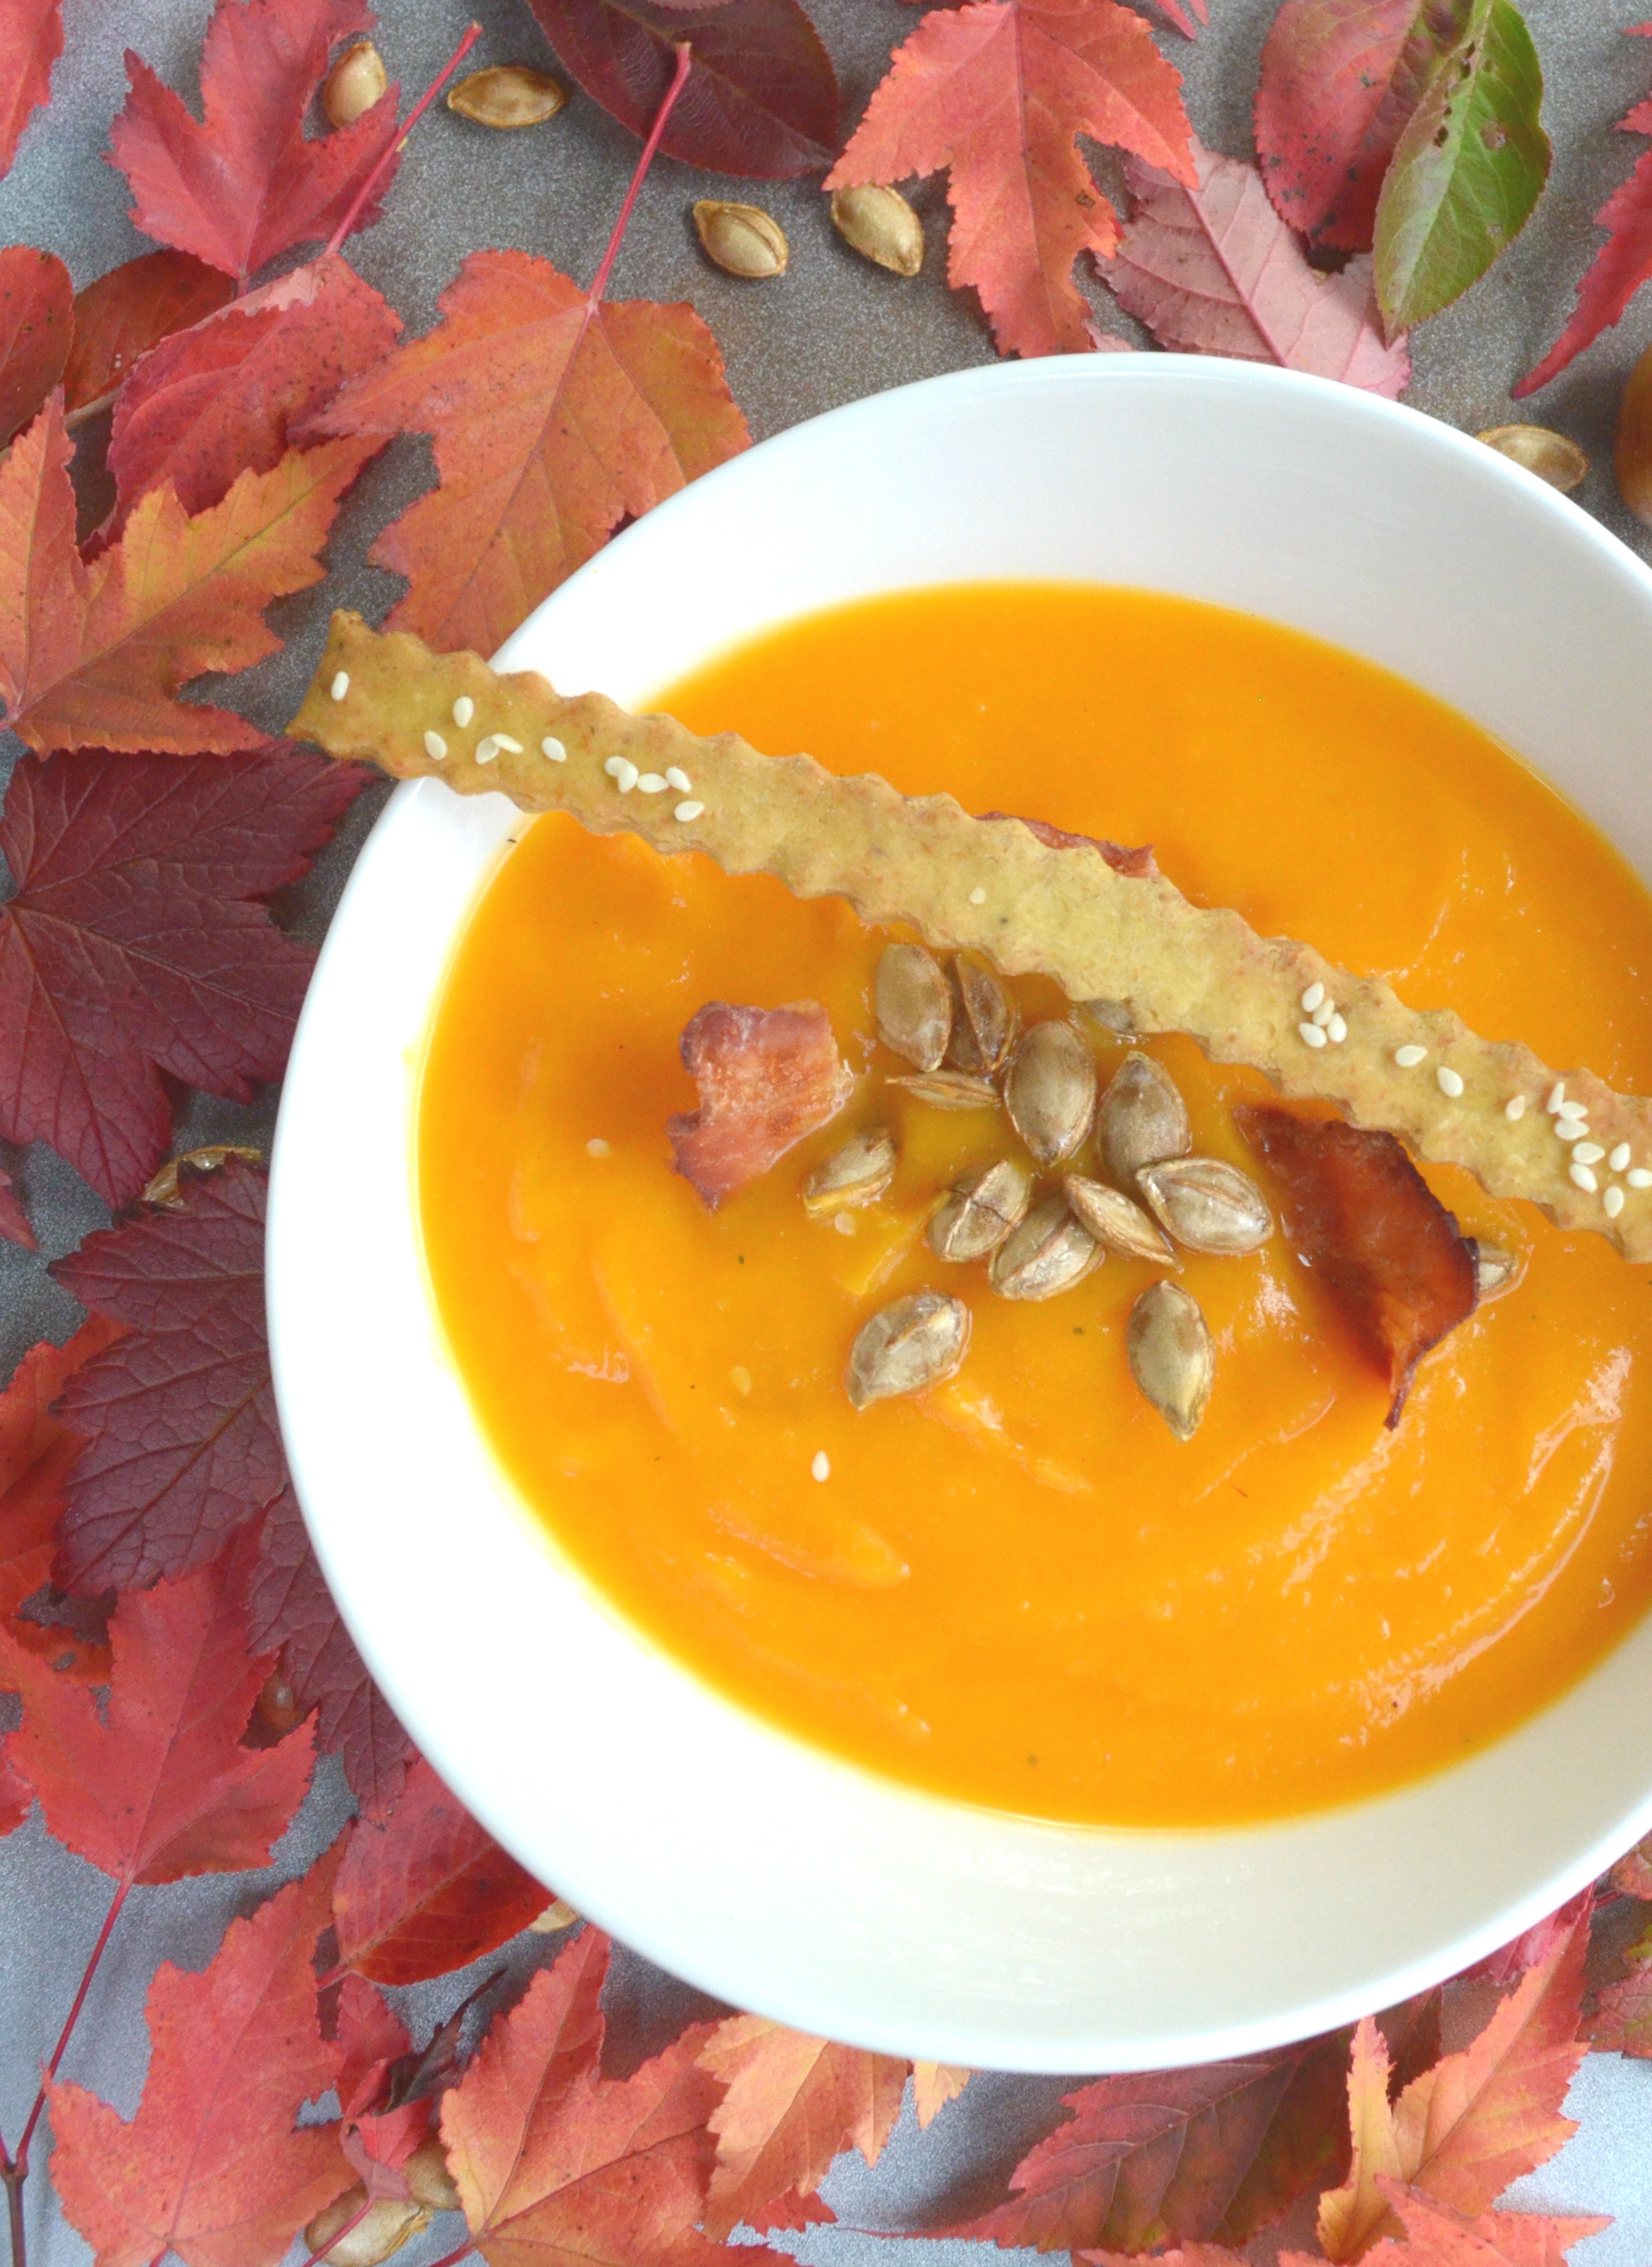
{"points": [[767, 1872]]}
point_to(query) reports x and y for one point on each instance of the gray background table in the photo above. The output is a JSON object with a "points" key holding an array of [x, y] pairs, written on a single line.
{"points": [[830, 330]]}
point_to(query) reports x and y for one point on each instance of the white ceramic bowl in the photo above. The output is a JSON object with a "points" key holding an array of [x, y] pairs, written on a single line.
{"points": [[771, 1874]]}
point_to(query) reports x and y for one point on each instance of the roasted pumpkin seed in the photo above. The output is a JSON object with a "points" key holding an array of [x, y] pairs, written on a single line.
{"points": [[1050, 1090], [1115, 1221], [1111, 1016], [949, 1089], [1551, 456], [912, 1001], [1496, 1269], [880, 225], [856, 1174], [1167, 1343], [981, 1210], [985, 1017], [1050, 1252], [508, 96], [1143, 1120], [915, 1342], [741, 239], [1207, 1205], [354, 84]]}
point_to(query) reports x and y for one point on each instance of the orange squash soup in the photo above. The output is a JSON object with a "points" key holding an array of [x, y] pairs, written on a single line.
{"points": [[1018, 1586]]}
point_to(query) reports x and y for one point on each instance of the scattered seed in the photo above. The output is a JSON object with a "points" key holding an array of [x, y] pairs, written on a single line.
{"points": [[1571, 1109], [677, 777], [1048, 1253], [1050, 1090], [507, 96], [912, 1001], [981, 1211], [1557, 1095], [822, 1465], [623, 772], [1588, 1152], [1207, 1205], [503, 740], [1495, 1269], [1323, 1013], [845, 1223], [340, 685], [742, 240], [1612, 1203], [1551, 456], [436, 746], [1409, 1057], [1450, 1081], [686, 813], [1584, 1178], [1312, 998], [1336, 1030], [1515, 1108], [354, 84], [1310, 1034], [597, 1147], [1168, 1345], [858, 1173], [1111, 1015], [1143, 1120], [487, 749], [1619, 1157], [1116, 1222], [880, 225], [555, 749], [1638, 1178], [949, 1089], [464, 709], [977, 896], [742, 1378], [984, 1020], [1571, 1129], [651, 783], [915, 1342]]}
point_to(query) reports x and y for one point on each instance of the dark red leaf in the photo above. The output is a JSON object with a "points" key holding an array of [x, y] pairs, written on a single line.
{"points": [[760, 100], [379, 2132], [16, 1801], [1632, 1876], [766, 1077], [178, 1416], [31, 42], [14, 1222], [243, 186], [1510, 1963], [131, 948], [212, 401], [131, 309], [1340, 80], [1373, 1233], [36, 1450], [1138, 863], [1412, 2034], [162, 1787], [425, 1889], [36, 322], [1622, 2020], [292, 1608]]}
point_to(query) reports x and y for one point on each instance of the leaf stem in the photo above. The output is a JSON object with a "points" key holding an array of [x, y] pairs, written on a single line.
{"points": [[679, 79], [363, 195], [316, 2257], [13, 2180], [21, 2165]]}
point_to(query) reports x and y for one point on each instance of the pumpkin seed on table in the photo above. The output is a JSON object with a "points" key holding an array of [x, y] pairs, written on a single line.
{"points": [[1207, 1205], [742, 240], [858, 1173], [915, 1342], [1050, 1090], [1173, 1359], [508, 96], [354, 84], [948, 1089], [981, 1210], [912, 1001], [1143, 1120], [1551, 456], [985, 1017], [1115, 1221], [880, 225], [1050, 1252]]}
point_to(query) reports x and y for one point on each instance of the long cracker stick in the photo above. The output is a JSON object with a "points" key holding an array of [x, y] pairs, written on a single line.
{"points": [[991, 885]]}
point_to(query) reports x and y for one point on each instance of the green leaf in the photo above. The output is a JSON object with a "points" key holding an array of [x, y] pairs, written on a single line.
{"points": [[1467, 170]]}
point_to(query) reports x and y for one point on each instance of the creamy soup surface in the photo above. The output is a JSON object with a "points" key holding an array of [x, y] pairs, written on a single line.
{"points": [[1018, 1588]]}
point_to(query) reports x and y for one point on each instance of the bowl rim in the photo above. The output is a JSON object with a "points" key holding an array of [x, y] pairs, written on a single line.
{"points": [[711, 1957]]}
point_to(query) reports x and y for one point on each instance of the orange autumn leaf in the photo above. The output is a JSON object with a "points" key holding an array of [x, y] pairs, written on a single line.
{"points": [[793, 2103], [997, 93], [554, 416], [1437, 2236], [935, 2084], [1479, 2119], [95, 656]]}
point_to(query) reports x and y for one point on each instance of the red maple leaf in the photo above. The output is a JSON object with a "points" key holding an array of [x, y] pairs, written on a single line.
{"points": [[379, 2133], [36, 1451], [14, 1222], [998, 91], [1622, 2020], [1437, 2236], [1215, 2152], [211, 401], [16, 1801], [36, 322], [213, 2167], [132, 947], [1620, 267], [243, 185], [178, 1416], [793, 2103], [425, 1889], [554, 416], [31, 42], [133, 307], [553, 2162], [94, 656]]}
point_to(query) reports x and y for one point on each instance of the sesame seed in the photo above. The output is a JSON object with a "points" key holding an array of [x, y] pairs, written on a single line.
{"points": [[555, 749], [340, 685], [1571, 1129], [1584, 1178], [597, 1147], [1324, 1012], [464, 709], [1310, 1034], [503, 740], [651, 783], [741, 1377], [1638, 1178], [623, 772], [677, 777], [1588, 1152], [843, 1222], [1336, 1030], [1450, 1081], [687, 813], [977, 896], [1557, 1095], [1312, 998], [1515, 1108], [487, 749], [1409, 1058], [436, 746], [1619, 1157], [822, 1466], [1611, 1203], [1572, 1109]]}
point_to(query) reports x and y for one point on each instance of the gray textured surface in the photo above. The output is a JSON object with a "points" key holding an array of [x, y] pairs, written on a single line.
{"points": [[831, 330]]}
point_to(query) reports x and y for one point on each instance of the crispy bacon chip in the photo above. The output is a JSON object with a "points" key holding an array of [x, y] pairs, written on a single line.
{"points": [[767, 1077], [1374, 1233], [1137, 863]]}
